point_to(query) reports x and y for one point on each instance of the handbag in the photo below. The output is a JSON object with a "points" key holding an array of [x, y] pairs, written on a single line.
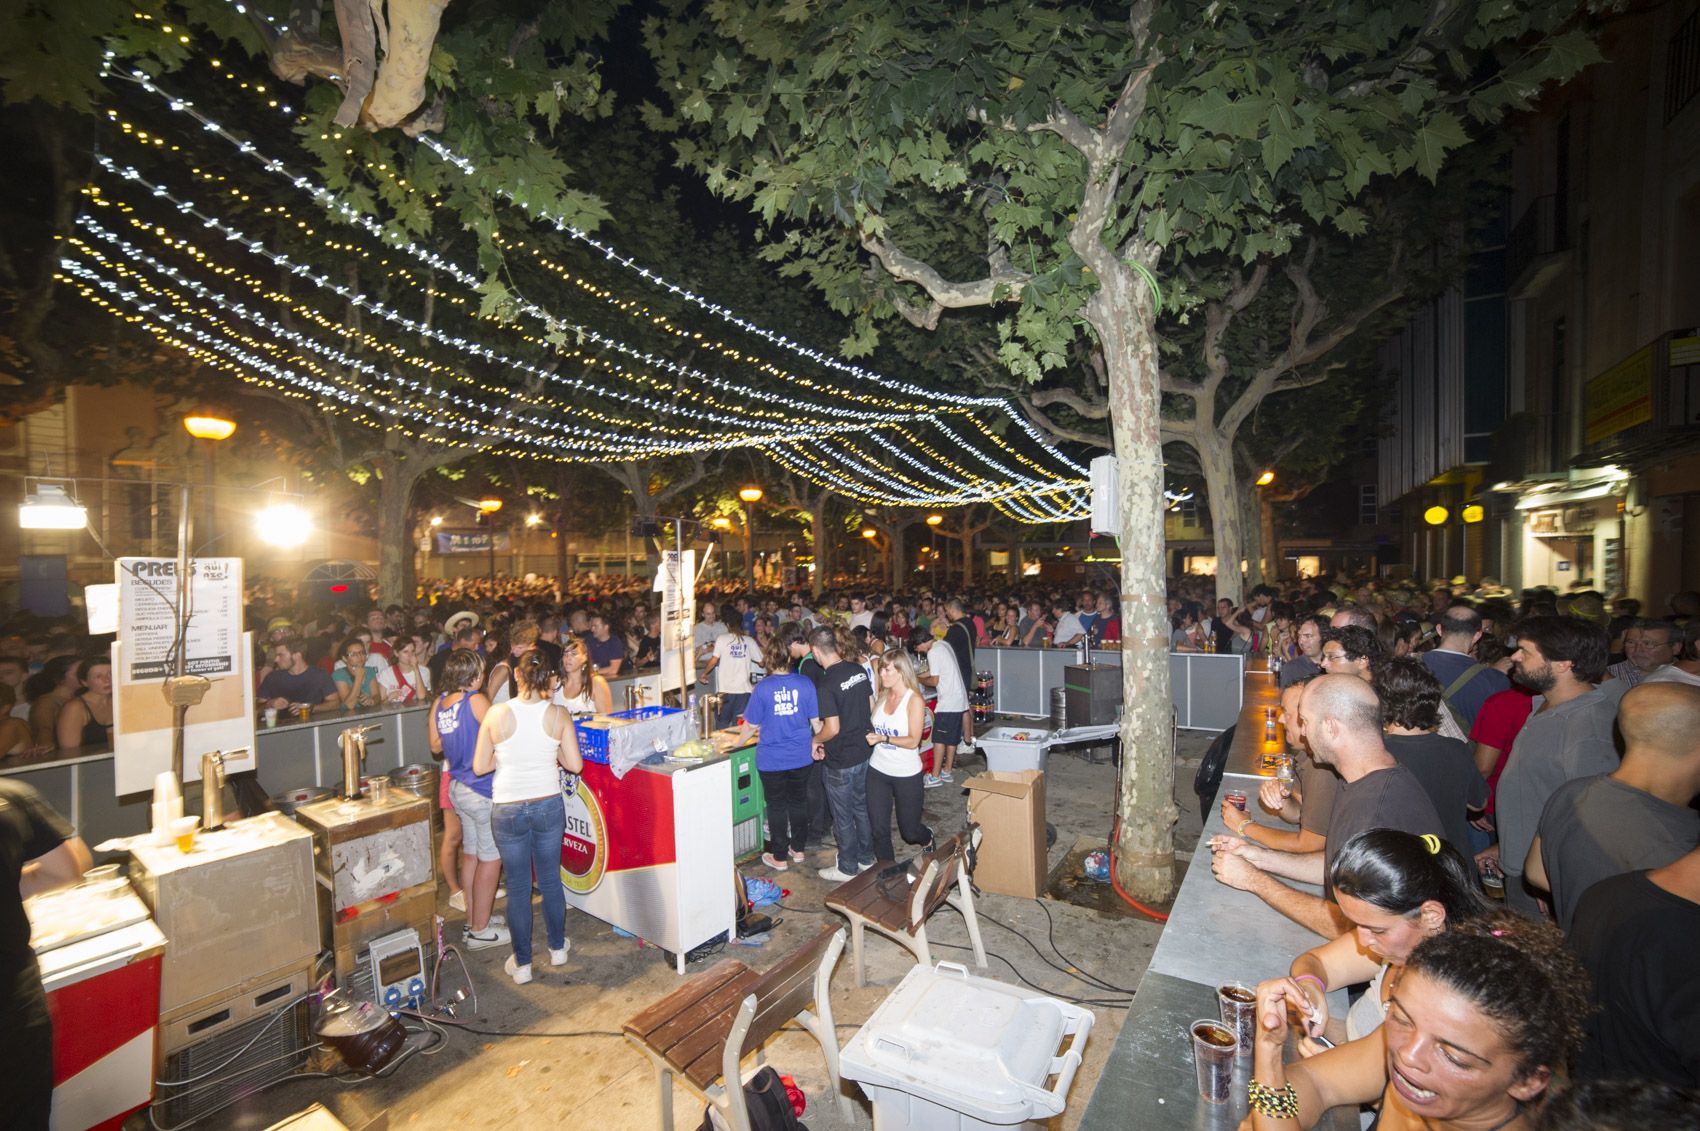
{"points": [[768, 1102]]}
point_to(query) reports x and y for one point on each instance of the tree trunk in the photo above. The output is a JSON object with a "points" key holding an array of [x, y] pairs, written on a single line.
{"points": [[396, 480], [1271, 546], [823, 550], [967, 540], [1125, 322], [1222, 486], [898, 553], [1013, 549]]}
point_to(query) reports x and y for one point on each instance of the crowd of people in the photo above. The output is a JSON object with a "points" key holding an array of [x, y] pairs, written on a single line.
{"points": [[1497, 808], [1495, 796]]}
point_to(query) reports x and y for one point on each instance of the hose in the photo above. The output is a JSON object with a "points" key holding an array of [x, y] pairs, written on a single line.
{"points": [[1115, 833]]}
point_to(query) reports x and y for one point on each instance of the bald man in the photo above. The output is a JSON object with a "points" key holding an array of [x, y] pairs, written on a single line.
{"points": [[1639, 815], [1342, 724]]}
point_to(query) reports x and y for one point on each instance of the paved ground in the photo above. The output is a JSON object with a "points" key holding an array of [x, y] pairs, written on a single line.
{"points": [[579, 1073]]}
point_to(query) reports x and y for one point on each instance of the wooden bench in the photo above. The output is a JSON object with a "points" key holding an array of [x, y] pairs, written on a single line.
{"points": [[703, 1030], [897, 908]]}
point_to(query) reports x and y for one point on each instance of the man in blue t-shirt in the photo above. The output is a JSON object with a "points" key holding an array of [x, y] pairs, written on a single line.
{"points": [[784, 706], [1460, 628], [607, 651]]}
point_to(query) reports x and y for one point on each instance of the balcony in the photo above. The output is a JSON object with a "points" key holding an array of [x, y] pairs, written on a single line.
{"points": [[1539, 248]]}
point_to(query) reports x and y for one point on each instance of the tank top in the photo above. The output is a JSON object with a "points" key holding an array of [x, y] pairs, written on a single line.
{"points": [[95, 732], [525, 761], [1369, 1011], [457, 726], [891, 760], [583, 704]]}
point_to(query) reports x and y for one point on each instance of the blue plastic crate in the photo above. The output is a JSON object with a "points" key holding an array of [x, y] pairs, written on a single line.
{"points": [[593, 740]]}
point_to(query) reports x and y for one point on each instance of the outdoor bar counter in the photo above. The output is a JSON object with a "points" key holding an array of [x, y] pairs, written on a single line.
{"points": [[1215, 934], [1203, 686]]}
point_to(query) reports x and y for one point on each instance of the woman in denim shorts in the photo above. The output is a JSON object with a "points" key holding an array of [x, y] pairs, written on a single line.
{"points": [[456, 718]]}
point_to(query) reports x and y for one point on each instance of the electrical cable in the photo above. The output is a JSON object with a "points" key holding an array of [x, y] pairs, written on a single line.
{"points": [[233, 1057], [1103, 1002], [1077, 974], [1051, 937]]}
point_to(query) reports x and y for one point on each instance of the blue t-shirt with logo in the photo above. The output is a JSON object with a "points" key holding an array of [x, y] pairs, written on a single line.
{"points": [[782, 706]]}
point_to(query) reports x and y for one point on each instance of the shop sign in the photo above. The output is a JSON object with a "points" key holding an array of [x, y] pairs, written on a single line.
{"points": [[470, 542], [1619, 398]]}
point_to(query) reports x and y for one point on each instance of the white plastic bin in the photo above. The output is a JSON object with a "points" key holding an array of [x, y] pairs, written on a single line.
{"points": [[951, 1051], [1009, 749]]}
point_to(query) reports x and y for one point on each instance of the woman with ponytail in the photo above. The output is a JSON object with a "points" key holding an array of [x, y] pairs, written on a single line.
{"points": [[1398, 889], [523, 741]]}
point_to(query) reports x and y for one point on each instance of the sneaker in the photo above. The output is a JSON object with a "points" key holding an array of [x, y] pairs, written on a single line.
{"points": [[501, 893], [490, 936], [774, 862], [520, 974], [798, 856], [834, 875], [458, 901], [559, 957], [968, 745], [931, 781], [864, 867], [946, 776]]}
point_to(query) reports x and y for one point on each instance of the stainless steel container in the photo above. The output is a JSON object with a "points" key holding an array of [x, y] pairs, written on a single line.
{"points": [[416, 779], [292, 799], [1059, 708]]}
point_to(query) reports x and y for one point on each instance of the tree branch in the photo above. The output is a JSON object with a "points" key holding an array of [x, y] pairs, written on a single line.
{"points": [[945, 294]]}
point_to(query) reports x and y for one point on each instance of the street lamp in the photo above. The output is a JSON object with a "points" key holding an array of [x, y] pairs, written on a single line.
{"points": [[487, 507], [212, 427], [1266, 478], [51, 506], [750, 495]]}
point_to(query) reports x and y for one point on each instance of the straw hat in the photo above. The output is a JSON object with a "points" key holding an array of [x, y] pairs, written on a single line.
{"points": [[463, 619]]}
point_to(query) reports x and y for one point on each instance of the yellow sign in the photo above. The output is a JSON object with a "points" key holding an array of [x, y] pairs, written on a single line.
{"points": [[1619, 398]]}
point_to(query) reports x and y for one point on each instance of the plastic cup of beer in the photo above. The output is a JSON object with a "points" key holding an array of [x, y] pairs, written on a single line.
{"points": [[183, 832], [1214, 1047], [1238, 1003], [304, 711]]}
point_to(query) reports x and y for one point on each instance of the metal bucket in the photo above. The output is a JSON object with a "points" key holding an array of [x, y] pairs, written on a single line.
{"points": [[1059, 708], [418, 779], [290, 800]]}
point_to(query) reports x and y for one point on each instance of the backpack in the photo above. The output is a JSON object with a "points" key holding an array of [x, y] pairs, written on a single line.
{"points": [[1453, 688], [768, 1103], [1208, 779]]}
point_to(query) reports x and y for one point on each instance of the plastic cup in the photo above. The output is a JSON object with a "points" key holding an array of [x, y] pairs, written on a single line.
{"points": [[1238, 1003], [1214, 1047], [304, 711], [183, 832], [376, 790], [1236, 798], [270, 715]]}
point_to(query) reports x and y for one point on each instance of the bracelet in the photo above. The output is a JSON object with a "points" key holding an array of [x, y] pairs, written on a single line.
{"points": [[1244, 825], [1276, 1103]]}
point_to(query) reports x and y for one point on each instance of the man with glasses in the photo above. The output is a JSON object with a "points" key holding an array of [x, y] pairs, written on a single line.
{"points": [[1649, 646], [1350, 651]]}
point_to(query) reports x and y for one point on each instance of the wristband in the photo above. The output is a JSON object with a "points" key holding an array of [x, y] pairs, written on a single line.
{"points": [[1244, 825]]}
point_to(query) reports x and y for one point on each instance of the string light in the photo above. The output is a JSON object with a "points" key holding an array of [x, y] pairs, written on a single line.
{"points": [[1019, 496]]}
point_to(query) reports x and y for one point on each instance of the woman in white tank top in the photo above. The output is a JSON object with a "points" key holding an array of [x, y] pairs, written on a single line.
{"points": [[527, 741], [580, 689], [894, 767]]}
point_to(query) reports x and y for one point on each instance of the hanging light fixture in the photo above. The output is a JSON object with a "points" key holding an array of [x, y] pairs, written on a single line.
{"points": [[50, 505]]}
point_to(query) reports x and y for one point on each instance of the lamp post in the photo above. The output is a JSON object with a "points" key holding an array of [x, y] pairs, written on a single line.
{"points": [[1266, 525], [487, 508], [750, 495], [870, 534], [933, 521], [210, 426]]}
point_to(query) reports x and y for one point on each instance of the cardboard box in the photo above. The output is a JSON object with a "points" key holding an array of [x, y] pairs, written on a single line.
{"points": [[1010, 809]]}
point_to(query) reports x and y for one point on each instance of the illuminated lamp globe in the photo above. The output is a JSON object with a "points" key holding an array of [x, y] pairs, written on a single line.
{"points": [[283, 525], [869, 532], [750, 494], [209, 426], [720, 522], [1266, 479], [489, 506], [1436, 515], [934, 519], [1473, 513]]}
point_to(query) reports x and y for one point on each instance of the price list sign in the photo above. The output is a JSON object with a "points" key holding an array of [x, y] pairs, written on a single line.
{"points": [[147, 594]]}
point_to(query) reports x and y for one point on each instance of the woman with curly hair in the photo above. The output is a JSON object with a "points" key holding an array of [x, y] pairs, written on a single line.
{"points": [[1483, 1016]]}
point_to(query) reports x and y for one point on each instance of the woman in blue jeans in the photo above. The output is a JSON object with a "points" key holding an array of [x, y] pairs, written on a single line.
{"points": [[523, 741]]}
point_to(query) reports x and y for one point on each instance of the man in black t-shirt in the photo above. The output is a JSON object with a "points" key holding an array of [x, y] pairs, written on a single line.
{"points": [[293, 681], [1635, 933], [960, 636], [846, 713], [38, 852], [1342, 724]]}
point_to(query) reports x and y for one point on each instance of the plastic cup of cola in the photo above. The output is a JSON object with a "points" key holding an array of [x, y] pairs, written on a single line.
{"points": [[1214, 1047], [1238, 1003], [1236, 798]]}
